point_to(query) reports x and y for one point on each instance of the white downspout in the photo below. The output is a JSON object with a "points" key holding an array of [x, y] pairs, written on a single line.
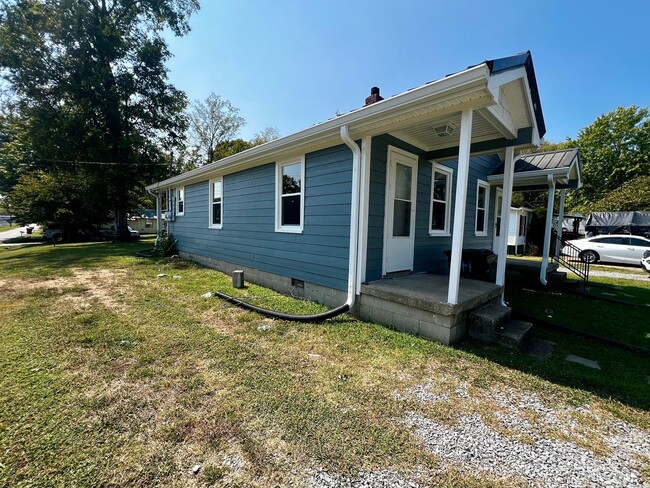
{"points": [[548, 227], [158, 215], [354, 215]]}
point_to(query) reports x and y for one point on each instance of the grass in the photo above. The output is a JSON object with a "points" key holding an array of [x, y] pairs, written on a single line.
{"points": [[112, 376], [617, 321]]}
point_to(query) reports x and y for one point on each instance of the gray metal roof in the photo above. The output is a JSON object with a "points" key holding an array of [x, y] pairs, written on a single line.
{"points": [[552, 160]]}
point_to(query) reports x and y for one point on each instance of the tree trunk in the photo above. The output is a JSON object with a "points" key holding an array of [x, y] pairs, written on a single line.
{"points": [[121, 226]]}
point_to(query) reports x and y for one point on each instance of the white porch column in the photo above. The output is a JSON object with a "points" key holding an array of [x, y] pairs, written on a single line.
{"points": [[547, 228], [560, 220], [459, 205], [508, 175]]}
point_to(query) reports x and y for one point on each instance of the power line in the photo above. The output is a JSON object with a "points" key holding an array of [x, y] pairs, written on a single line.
{"points": [[106, 163]]}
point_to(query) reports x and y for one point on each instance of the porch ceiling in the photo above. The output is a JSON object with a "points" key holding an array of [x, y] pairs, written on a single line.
{"points": [[500, 117], [424, 136]]}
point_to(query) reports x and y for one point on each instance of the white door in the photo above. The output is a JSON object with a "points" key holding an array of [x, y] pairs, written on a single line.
{"points": [[496, 239], [399, 225]]}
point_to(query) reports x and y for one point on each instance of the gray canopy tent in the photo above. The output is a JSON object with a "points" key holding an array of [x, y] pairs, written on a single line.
{"points": [[637, 223]]}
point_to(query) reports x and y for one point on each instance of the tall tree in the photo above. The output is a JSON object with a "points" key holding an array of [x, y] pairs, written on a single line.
{"points": [[234, 146], [90, 77], [213, 122], [615, 148]]}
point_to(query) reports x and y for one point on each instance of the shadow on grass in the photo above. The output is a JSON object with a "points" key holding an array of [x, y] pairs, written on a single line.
{"points": [[83, 255], [623, 375]]}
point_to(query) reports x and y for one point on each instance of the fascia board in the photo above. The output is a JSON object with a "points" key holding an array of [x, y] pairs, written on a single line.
{"points": [[324, 131], [500, 79], [526, 175]]}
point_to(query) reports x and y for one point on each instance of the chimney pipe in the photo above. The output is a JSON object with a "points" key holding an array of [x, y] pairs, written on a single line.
{"points": [[374, 96]]}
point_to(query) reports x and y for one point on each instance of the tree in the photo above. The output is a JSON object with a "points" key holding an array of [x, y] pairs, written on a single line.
{"points": [[213, 122], [614, 149], [267, 135], [234, 146], [89, 78], [54, 198], [631, 195]]}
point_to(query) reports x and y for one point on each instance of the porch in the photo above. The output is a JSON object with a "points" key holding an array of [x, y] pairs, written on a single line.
{"points": [[418, 304]]}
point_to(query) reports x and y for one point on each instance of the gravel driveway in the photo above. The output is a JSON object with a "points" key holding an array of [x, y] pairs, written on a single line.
{"points": [[515, 438]]}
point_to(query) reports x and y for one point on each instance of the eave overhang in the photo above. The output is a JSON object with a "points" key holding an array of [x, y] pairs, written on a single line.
{"points": [[467, 89]]}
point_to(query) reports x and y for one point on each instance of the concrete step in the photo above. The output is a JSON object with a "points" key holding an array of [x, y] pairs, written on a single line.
{"points": [[557, 277], [483, 323], [514, 334]]}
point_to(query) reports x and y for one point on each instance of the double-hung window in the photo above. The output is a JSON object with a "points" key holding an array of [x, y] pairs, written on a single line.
{"points": [[180, 200], [290, 198], [216, 203], [482, 203], [440, 200]]}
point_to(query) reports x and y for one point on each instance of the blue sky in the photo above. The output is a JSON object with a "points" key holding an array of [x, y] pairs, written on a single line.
{"points": [[292, 64]]}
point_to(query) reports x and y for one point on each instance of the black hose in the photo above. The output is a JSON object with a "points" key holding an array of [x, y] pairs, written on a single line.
{"points": [[319, 317], [146, 253]]}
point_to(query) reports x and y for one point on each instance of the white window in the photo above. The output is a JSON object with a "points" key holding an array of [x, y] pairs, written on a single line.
{"points": [[482, 203], [289, 191], [440, 200], [216, 204], [180, 201]]}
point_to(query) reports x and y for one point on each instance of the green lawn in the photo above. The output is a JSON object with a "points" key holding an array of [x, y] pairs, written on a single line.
{"points": [[110, 375], [617, 321]]}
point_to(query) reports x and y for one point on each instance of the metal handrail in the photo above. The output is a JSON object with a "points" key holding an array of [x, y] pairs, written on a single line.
{"points": [[569, 256]]}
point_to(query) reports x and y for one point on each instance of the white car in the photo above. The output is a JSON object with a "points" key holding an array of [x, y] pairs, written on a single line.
{"points": [[613, 248], [645, 261]]}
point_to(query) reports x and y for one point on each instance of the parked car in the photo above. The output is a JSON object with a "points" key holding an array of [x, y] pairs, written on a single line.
{"points": [[109, 231], [645, 261], [613, 248], [60, 233]]}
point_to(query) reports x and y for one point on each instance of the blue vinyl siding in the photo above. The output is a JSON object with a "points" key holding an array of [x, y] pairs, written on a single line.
{"points": [[428, 253], [319, 255]]}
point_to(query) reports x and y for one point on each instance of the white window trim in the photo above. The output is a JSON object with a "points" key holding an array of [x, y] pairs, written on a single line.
{"points": [[211, 203], [178, 200], [450, 178], [482, 184], [295, 229]]}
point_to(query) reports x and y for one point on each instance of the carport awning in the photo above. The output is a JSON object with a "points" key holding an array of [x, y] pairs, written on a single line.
{"points": [[532, 171]]}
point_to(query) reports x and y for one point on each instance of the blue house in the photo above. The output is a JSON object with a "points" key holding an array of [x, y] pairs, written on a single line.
{"points": [[360, 209]]}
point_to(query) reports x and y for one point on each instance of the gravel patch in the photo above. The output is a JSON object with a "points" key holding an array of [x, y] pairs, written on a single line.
{"points": [[543, 460], [363, 480], [614, 274], [547, 462]]}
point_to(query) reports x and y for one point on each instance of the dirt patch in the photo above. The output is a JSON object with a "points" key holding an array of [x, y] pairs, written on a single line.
{"points": [[82, 290]]}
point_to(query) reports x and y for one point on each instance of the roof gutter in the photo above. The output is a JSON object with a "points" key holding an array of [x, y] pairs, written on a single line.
{"points": [[354, 120]]}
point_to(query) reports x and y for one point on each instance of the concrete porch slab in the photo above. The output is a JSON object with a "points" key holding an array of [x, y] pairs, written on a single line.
{"points": [[417, 304], [429, 292]]}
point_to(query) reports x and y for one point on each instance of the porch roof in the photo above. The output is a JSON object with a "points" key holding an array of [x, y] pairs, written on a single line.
{"points": [[532, 170]]}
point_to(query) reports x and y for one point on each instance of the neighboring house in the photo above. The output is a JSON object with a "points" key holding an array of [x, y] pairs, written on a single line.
{"points": [[144, 221], [333, 211]]}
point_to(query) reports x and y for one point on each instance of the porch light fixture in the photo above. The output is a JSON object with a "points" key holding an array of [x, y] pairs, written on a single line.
{"points": [[445, 130]]}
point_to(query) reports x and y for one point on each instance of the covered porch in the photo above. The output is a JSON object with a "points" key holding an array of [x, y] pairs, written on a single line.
{"points": [[429, 157]]}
